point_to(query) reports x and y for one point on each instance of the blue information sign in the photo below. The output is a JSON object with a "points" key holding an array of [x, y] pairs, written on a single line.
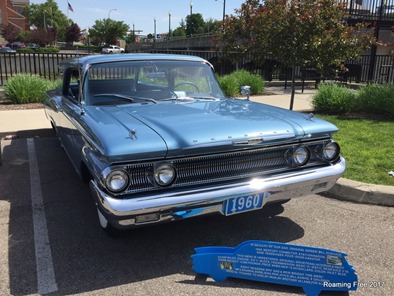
{"points": [[313, 269]]}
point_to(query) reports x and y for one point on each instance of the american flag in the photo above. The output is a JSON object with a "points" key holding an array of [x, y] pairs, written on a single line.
{"points": [[70, 7]]}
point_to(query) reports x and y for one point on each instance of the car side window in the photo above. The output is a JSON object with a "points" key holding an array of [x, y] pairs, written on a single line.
{"points": [[71, 84]]}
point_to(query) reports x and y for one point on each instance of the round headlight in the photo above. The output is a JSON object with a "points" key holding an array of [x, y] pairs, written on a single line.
{"points": [[164, 174], [301, 156], [331, 151], [117, 181]]}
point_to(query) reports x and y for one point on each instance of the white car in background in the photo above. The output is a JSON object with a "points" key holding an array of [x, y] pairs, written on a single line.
{"points": [[113, 49]]}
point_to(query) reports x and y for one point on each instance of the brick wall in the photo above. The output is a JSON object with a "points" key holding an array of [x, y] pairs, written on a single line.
{"points": [[9, 15]]}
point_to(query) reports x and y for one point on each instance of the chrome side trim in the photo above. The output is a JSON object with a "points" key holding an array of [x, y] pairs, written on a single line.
{"points": [[122, 212]]}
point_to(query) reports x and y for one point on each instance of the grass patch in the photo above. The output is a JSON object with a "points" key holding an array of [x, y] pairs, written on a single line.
{"points": [[368, 147]]}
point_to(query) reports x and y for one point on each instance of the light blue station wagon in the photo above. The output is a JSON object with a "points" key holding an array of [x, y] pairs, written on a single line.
{"points": [[157, 140]]}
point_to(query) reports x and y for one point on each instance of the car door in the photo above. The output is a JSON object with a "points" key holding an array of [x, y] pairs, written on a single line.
{"points": [[72, 111]]}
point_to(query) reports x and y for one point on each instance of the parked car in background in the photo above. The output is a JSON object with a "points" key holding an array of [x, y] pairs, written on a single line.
{"points": [[33, 46], [113, 49], [158, 141], [7, 49], [16, 45]]}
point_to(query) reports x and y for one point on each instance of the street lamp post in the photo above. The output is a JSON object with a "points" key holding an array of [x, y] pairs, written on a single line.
{"points": [[191, 12], [169, 24], [109, 13], [224, 9], [154, 31]]}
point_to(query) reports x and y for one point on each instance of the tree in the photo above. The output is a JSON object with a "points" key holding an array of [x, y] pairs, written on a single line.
{"points": [[9, 32], [108, 30], [310, 33], [181, 30], [47, 15], [194, 24], [73, 33], [41, 36], [212, 26]]}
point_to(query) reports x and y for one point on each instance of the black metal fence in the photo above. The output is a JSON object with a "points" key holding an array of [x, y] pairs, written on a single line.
{"points": [[272, 70], [42, 64], [369, 10], [46, 65]]}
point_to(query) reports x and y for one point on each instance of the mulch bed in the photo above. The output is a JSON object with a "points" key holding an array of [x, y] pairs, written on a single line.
{"points": [[6, 106]]}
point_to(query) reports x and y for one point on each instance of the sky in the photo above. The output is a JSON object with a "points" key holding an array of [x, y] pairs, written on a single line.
{"points": [[140, 14]]}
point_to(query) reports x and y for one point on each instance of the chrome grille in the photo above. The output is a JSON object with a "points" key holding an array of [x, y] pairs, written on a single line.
{"points": [[217, 167], [228, 166]]}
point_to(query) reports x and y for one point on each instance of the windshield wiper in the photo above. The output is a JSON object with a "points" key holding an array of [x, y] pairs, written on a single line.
{"points": [[206, 98], [126, 97], [115, 95]]}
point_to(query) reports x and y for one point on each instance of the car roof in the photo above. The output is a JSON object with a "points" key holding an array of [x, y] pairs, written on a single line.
{"points": [[96, 59]]}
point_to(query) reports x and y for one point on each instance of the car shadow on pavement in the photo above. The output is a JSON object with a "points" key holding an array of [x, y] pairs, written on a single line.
{"points": [[84, 258]]}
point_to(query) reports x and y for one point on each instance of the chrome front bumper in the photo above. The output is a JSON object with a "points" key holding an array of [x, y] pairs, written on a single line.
{"points": [[136, 211]]}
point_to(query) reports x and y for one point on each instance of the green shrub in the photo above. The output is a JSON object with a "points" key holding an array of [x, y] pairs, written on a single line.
{"points": [[26, 88], [332, 98], [337, 99], [47, 50], [25, 50], [377, 98], [231, 84]]}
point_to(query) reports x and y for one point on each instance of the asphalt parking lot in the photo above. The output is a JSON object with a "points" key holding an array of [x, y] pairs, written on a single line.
{"points": [[51, 243]]}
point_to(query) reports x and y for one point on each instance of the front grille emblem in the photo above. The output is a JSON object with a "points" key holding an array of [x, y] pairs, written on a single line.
{"points": [[249, 141]]}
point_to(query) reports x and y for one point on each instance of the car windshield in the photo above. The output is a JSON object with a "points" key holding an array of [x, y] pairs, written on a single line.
{"points": [[149, 81]]}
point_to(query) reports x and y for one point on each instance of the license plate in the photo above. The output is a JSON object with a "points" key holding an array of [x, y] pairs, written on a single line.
{"points": [[245, 203]]}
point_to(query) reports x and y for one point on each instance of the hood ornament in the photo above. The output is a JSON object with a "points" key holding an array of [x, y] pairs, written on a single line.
{"points": [[133, 134], [245, 90]]}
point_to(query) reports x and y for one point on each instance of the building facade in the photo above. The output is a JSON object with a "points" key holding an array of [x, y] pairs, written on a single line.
{"points": [[11, 13]]}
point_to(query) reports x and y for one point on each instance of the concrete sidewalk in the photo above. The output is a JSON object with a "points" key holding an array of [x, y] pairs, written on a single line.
{"points": [[33, 123], [280, 97], [21, 120]]}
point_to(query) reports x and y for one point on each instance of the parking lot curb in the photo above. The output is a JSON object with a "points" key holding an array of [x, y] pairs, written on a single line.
{"points": [[359, 192]]}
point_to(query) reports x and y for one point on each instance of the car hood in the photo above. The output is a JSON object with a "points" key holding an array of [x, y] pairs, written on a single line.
{"points": [[181, 127]]}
